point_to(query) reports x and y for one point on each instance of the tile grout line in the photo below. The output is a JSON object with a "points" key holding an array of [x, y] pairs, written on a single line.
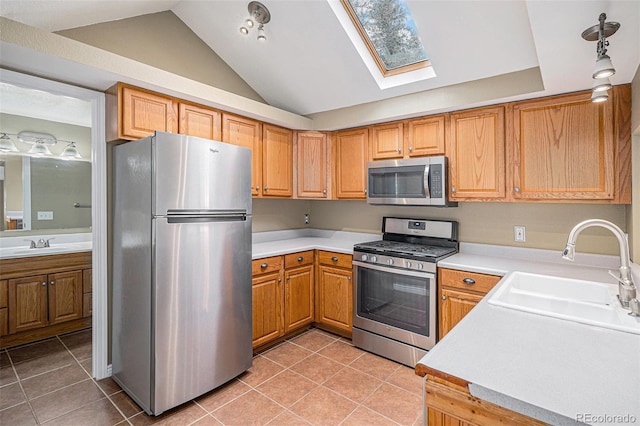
{"points": [[19, 381]]}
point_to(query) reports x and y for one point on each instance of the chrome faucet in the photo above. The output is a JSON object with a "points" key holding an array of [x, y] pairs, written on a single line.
{"points": [[626, 287]]}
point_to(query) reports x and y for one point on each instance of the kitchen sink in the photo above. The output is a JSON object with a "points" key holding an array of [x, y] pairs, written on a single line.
{"points": [[580, 301]]}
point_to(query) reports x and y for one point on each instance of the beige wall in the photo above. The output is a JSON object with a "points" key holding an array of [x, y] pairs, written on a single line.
{"points": [[547, 225], [633, 211], [164, 41], [278, 214], [13, 178]]}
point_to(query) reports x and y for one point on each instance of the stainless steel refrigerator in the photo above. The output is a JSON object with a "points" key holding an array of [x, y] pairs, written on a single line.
{"points": [[181, 267]]}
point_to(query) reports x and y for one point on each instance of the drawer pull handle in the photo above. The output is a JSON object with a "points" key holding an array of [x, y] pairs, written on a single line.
{"points": [[469, 281], [334, 259], [264, 265], [300, 258]]}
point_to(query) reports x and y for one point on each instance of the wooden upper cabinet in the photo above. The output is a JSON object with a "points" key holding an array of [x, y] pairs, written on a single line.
{"points": [[277, 161], [245, 132], [476, 151], [387, 141], [312, 165], [425, 136], [201, 122], [142, 112], [563, 149], [351, 163]]}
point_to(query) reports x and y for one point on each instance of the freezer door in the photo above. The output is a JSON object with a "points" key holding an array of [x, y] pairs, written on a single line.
{"points": [[199, 174], [202, 313]]}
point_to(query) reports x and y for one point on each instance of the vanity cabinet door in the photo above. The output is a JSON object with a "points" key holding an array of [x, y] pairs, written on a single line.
{"points": [[27, 303], [4, 307], [65, 296]]}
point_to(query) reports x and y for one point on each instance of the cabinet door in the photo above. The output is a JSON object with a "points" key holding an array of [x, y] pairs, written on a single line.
{"points": [[277, 161], [65, 296], [298, 297], [311, 150], [425, 136], [351, 164], [245, 132], [335, 298], [201, 122], [563, 149], [267, 308], [454, 305], [476, 150], [144, 112], [27, 303], [387, 141], [4, 307]]}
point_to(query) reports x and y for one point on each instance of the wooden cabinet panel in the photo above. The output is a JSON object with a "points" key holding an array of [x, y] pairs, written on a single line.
{"points": [[245, 132], [87, 280], [563, 149], [339, 260], [4, 293], [294, 260], [335, 298], [265, 265], [201, 122], [87, 305], [312, 165], [144, 112], [476, 151], [454, 305], [4, 303], [27, 303], [298, 303], [387, 141], [277, 161], [267, 307], [65, 296], [351, 163], [467, 281], [425, 136]]}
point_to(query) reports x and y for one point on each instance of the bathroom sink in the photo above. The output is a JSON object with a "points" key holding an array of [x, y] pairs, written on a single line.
{"points": [[580, 301]]}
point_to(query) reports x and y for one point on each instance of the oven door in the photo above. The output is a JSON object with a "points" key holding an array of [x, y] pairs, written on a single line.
{"points": [[396, 303]]}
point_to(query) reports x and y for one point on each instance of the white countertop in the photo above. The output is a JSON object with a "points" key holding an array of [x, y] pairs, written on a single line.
{"points": [[17, 247], [550, 369]]}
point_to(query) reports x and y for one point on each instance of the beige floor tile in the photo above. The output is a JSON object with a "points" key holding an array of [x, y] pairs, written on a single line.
{"points": [[19, 415], [183, 415], [287, 418], [53, 380], [323, 407], [4, 359], [207, 420], [127, 405], [217, 398], [317, 368], [364, 416], [43, 364], [396, 404], [108, 386], [261, 370], [406, 379], [374, 365], [11, 395], [313, 340], [287, 354], [7, 375], [249, 409], [86, 364], [55, 404], [352, 384], [341, 352], [98, 413], [79, 343], [36, 350], [287, 387]]}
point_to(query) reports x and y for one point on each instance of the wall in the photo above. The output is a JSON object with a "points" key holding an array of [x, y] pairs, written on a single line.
{"points": [[633, 211], [278, 214], [138, 38], [547, 225]]}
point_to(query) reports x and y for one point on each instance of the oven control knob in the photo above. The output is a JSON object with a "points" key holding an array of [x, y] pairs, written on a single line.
{"points": [[390, 261], [364, 257], [408, 264], [374, 259], [420, 266]]}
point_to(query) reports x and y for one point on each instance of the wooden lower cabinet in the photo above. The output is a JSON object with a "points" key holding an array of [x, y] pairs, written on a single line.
{"points": [[459, 292], [42, 297], [334, 301], [267, 308], [299, 290]]}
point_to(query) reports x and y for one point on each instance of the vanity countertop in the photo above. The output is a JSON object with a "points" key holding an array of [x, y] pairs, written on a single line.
{"points": [[17, 247]]}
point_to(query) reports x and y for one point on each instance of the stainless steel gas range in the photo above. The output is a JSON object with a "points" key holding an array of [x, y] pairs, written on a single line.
{"points": [[395, 287]]}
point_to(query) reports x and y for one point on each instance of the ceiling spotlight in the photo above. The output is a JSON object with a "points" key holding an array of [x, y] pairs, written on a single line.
{"points": [[601, 84], [70, 151], [604, 68], [261, 34], [6, 144], [244, 30], [600, 96], [249, 23], [258, 13]]}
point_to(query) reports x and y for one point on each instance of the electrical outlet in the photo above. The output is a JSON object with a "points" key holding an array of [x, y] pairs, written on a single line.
{"points": [[519, 234], [306, 219], [45, 215]]}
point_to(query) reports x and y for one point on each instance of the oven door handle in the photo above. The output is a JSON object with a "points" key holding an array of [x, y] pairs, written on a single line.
{"points": [[406, 272]]}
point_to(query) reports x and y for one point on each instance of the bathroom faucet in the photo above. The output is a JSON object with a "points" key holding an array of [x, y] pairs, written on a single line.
{"points": [[626, 287]]}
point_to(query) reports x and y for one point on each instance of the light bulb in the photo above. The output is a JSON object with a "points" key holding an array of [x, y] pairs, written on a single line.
{"points": [[244, 30], [599, 96], [249, 23], [604, 67]]}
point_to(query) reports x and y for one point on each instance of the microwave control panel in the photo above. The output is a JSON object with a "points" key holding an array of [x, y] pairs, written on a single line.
{"points": [[435, 181]]}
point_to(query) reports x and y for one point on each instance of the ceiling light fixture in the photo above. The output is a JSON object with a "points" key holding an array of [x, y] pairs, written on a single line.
{"points": [[604, 68], [6, 144], [70, 151], [40, 148], [257, 13]]}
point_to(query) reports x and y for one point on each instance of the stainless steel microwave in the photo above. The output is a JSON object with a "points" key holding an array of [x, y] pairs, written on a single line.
{"points": [[411, 182]]}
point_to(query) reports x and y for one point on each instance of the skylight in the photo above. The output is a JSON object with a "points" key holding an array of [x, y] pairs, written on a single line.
{"points": [[390, 34]]}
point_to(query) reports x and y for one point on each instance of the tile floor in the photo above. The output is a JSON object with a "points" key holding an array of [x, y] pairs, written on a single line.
{"points": [[315, 378]]}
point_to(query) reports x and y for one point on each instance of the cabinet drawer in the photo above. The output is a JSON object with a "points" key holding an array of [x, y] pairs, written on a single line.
{"points": [[470, 281], [334, 259], [267, 264], [298, 259]]}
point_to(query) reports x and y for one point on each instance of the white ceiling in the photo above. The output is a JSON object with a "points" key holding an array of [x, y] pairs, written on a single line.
{"points": [[308, 65]]}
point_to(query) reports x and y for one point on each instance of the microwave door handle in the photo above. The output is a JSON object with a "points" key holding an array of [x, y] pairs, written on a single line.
{"points": [[426, 181]]}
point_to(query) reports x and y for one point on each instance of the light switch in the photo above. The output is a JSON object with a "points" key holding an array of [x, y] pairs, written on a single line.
{"points": [[45, 215]]}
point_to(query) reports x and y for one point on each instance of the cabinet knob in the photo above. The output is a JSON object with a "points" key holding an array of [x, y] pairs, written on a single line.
{"points": [[264, 265], [52, 283], [453, 190], [266, 188], [324, 191], [44, 283], [517, 189], [348, 278], [410, 149], [300, 258], [334, 259], [257, 188], [365, 191], [469, 281], [444, 297], [279, 280], [288, 278], [399, 150]]}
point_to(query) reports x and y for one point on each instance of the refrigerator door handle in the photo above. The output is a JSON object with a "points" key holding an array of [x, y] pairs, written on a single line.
{"points": [[206, 218]]}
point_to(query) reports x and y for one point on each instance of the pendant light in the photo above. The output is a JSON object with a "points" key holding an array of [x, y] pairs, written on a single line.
{"points": [[6, 144], [604, 67]]}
